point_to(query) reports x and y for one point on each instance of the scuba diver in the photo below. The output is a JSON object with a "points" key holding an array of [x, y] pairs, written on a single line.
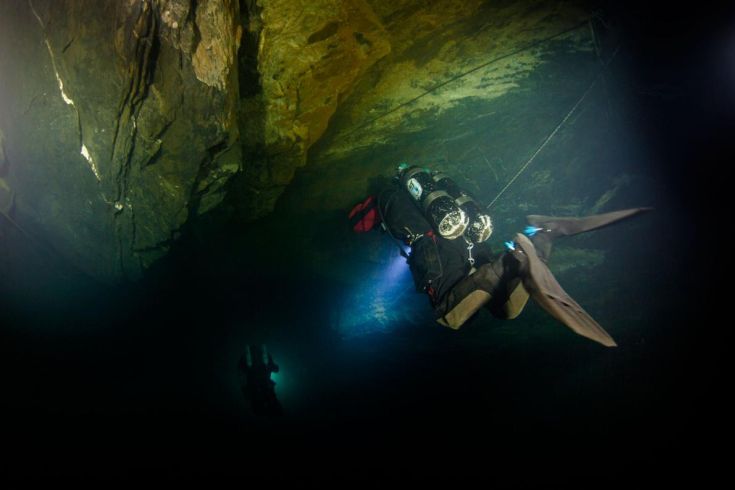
{"points": [[447, 231], [256, 383]]}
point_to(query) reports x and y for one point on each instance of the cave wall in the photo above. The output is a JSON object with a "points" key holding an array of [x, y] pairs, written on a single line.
{"points": [[470, 87], [6, 194], [306, 57], [120, 122], [123, 121], [126, 118]]}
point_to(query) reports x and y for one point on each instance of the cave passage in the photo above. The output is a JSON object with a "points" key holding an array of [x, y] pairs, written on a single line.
{"points": [[175, 180]]}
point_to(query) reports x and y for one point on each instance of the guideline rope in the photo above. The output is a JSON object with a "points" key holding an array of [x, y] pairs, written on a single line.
{"points": [[436, 87], [552, 134]]}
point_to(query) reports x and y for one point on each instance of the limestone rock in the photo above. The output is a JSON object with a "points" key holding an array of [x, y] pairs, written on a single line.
{"points": [[121, 129], [6, 193], [439, 96], [432, 47], [126, 120], [220, 34], [310, 55]]}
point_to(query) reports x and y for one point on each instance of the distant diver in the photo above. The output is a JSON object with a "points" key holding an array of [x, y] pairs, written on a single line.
{"points": [[447, 231], [257, 386]]}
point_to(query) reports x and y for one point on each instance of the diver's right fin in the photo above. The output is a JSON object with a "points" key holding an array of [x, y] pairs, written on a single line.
{"points": [[544, 229], [548, 293]]}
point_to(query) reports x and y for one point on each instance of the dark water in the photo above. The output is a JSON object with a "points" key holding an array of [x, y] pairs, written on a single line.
{"points": [[103, 381]]}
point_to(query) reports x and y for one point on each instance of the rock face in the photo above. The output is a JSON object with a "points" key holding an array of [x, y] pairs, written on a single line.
{"points": [[122, 121], [123, 125], [310, 55], [446, 57], [6, 194], [470, 88], [463, 80]]}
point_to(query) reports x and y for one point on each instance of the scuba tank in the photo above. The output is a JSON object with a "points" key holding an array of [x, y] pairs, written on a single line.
{"points": [[448, 219], [480, 226]]}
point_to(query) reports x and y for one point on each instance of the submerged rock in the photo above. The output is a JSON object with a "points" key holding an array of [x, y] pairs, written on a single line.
{"points": [[123, 125], [6, 193], [126, 120], [310, 56]]}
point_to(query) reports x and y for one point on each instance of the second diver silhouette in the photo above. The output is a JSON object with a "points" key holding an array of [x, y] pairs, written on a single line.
{"points": [[256, 366]]}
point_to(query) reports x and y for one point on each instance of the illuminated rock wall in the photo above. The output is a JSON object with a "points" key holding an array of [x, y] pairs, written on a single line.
{"points": [[120, 121], [125, 120]]}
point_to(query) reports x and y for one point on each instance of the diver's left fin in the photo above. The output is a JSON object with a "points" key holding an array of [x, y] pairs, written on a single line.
{"points": [[544, 229]]}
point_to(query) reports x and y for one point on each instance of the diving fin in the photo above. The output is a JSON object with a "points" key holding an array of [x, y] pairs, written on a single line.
{"points": [[548, 293], [544, 229]]}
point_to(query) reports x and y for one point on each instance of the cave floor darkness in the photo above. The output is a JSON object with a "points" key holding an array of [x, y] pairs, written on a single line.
{"points": [[113, 381]]}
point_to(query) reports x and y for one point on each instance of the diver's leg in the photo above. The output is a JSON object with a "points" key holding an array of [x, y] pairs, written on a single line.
{"points": [[505, 286], [511, 304], [509, 296], [544, 229], [466, 297], [497, 285]]}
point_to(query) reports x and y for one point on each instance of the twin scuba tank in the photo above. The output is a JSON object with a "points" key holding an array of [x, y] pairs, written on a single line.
{"points": [[451, 212]]}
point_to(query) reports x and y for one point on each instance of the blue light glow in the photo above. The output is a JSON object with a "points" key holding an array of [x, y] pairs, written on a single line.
{"points": [[376, 304]]}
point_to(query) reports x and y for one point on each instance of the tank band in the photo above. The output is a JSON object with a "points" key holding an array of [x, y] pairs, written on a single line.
{"points": [[410, 173], [439, 176], [464, 199], [433, 196]]}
